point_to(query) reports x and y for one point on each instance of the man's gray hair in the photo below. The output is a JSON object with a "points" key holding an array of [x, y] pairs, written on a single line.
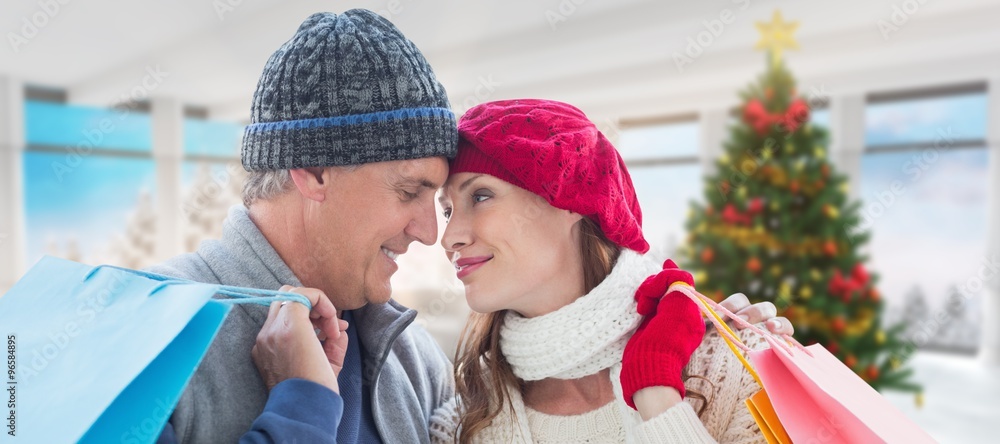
{"points": [[264, 185], [268, 184]]}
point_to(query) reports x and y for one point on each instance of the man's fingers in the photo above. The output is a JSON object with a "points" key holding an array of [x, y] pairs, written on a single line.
{"points": [[329, 327], [735, 303], [272, 311], [321, 305]]}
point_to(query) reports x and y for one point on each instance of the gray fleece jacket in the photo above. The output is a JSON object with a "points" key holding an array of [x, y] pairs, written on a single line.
{"points": [[408, 374]]}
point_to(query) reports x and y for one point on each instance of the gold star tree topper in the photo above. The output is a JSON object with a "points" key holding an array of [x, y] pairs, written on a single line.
{"points": [[777, 36]]}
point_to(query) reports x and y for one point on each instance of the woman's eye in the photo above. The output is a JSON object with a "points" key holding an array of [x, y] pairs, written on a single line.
{"points": [[447, 213], [479, 197]]}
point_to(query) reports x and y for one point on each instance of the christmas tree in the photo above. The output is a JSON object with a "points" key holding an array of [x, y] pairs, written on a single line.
{"points": [[776, 225]]}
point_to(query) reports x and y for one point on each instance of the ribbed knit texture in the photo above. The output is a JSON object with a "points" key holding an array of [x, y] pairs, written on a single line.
{"points": [[581, 338], [598, 426], [553, 150], [347, 89], [725, 420]]}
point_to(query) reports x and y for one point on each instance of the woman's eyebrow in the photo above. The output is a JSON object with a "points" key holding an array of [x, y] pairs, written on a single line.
{"points": [[465, 184]]}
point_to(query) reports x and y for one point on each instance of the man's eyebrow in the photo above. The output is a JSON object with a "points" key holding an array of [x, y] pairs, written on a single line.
{"points": [[420, 183]]}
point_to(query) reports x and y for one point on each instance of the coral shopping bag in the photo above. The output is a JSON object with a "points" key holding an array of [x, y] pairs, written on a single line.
{"points": [[102, 354], [807, 394]]}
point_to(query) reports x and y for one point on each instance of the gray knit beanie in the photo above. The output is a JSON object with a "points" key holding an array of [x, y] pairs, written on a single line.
{"points": [[344, 90]]}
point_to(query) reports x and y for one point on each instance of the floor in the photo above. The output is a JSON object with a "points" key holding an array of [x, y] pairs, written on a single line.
{"points": [[961, 398]]}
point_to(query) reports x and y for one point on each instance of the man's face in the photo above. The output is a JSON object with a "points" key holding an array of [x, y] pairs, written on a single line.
{"points": [[370, 216]]}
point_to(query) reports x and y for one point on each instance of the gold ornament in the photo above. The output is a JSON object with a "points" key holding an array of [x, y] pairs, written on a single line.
{"points": [[831, 211], [776, 271], [766, 154], [741, 192], [724, 159], [758, 229], [844, 188], [816, 275], [820, 152], [806, 293], [700, 277], [880, 337], [894, 363], [919, 400], [774, 205], [777, 36]]}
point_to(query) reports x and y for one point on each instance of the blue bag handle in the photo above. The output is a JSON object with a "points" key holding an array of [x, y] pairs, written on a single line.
{"points": [[240, 295]]}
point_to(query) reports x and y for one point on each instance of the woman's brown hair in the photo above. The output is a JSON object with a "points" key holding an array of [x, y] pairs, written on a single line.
{"points": [[482, 373]]}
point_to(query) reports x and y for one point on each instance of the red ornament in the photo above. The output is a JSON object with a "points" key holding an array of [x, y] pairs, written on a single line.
{"points": [[795, 116], [756, 205], [733, 216], [837, 283], [757, 117], [838, 325], [794, 186], [709, 211], [707, 255], [860, 275], [753, 265], [850, 361], [825, 170], [874, 295], [872, 372], [830, 248], [833, 347]]}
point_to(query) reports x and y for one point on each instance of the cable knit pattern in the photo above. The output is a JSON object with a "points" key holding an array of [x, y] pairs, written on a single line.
{"points": [[553, 150], [598, 426], [726, 416], [584, 337], [726, 419]]}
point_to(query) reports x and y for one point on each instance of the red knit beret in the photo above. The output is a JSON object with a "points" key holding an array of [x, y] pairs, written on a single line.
{"points": [[553, 150]]}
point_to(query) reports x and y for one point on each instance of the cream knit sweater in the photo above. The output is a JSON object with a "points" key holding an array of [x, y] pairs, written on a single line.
{"points": [[726, 385]]}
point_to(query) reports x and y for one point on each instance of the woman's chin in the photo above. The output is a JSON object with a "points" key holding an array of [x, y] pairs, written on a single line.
{"points": [[478, 302]]}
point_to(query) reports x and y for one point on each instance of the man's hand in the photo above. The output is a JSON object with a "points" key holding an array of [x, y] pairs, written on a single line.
{"points": [[760, 312], [288, 345]]}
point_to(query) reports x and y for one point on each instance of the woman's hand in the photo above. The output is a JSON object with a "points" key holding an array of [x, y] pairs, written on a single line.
{"points": [[658, 351]]}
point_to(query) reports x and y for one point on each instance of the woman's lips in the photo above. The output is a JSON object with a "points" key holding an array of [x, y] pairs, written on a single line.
{"points": [[465, 266]]}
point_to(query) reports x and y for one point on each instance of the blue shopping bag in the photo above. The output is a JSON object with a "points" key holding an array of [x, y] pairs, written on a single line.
{"points": [[102, 354]]}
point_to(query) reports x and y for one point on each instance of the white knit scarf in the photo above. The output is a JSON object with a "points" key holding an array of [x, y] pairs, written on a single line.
{"points": [[584, 337]]}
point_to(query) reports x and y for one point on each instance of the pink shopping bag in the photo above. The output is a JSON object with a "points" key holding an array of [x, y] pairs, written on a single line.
{"points": [[815, 397], [819, 399]]}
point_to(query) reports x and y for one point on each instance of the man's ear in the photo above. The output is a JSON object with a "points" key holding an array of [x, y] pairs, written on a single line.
{"points": [[311, 182]]}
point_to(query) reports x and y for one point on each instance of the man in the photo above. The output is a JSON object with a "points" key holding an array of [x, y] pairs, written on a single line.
{"points": [[349, 141]]}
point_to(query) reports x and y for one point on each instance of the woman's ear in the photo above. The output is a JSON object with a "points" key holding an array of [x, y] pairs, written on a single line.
{"points": [[572, 217], [312, 183]]}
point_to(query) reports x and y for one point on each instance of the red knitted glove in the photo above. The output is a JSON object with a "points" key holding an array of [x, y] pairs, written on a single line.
{"points": [[670, 332]]}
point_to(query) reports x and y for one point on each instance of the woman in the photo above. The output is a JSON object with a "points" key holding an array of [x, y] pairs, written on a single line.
{"points": [[545, 233]]}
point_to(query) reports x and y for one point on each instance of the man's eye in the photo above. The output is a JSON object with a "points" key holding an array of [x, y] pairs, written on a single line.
{"points": [[410, 196], [479, 197], [447, 213]]}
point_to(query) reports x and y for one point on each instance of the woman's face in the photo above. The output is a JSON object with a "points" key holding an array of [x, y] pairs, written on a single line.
{"points": [[510, 248]]}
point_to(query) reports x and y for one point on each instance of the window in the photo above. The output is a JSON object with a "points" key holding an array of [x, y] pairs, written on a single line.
{"points": [[924, 186], [86, 171], [663, 162]]}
